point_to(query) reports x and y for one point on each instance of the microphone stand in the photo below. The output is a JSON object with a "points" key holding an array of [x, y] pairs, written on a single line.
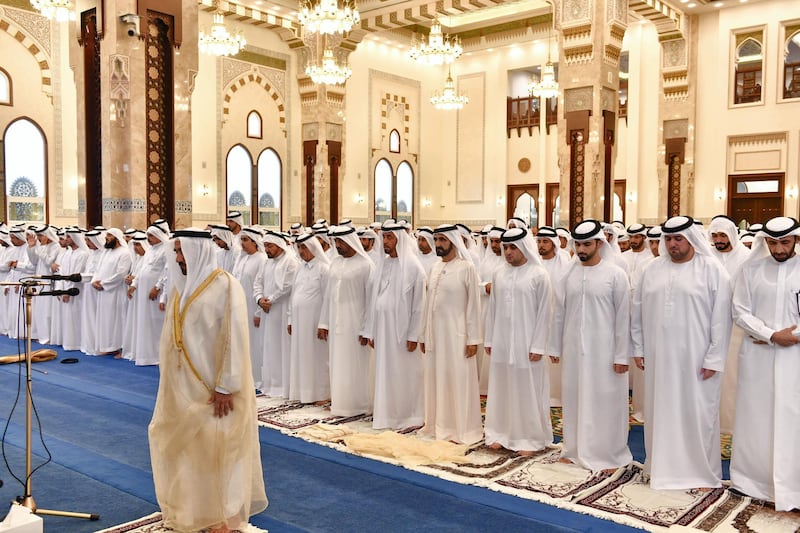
{"points": [[29, 291]]}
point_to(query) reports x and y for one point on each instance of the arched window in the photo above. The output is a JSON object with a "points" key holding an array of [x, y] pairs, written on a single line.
{"points": [[254, 130], [405, 192], [791, 66], [394, 142], [26, 172], [5, 88], [239, 179], [269, 189], [384, 187], [749, 68]]}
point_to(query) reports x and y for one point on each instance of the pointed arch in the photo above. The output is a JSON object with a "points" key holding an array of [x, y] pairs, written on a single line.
{"points": [[42, 58], [259, 79]]}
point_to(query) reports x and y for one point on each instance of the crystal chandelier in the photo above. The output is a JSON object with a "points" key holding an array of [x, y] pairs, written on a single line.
{"points": [[547, 86], [439, 49], [448, 98], [330, 72], [220, 42], [61, 10], [328, 16]]}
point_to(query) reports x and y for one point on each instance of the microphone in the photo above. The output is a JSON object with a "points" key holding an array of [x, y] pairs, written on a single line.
{"points": [[58, 277], [74, 291]]}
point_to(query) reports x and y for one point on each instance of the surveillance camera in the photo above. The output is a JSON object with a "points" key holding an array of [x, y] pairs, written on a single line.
{"points": [[131, 22]]}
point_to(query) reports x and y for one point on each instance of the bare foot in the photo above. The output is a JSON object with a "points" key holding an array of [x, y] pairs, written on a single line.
{"points": [[322, 402], [704, 489], [221, 529], [566, 461], [495, 445], [526, 453], [608, 471]]}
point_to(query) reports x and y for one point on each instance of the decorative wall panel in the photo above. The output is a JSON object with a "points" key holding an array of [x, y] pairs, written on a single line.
{"points": [[471, 131]]}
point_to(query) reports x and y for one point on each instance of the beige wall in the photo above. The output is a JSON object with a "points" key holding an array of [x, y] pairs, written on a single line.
{"points": [[431, 144]]}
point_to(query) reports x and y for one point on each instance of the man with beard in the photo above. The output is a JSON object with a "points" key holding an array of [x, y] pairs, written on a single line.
{"points": [[724, 235], [203, 435], [766, 304], [556, 262], [343, 323], [395, 328], [591, 328], [639, 254], [223, 238], [451, 337], [272, 291], [680, 326], [112, 295]]}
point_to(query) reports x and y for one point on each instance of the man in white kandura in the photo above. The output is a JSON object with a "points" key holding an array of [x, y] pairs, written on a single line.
{"points": [[396, 325], [427, 255], [766, 305], [309, 380], [491, 261], [556, 261], [591, 333], [248, 265], [272, 290], [724, 235], [204, 436], [147, 286], [71, 315], [112, 294], [517, 325], [18, 266], [451, 337], [42, 255], [681, 326], [343, 323]]}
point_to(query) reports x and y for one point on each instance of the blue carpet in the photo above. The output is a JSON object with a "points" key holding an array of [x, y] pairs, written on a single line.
{"points": [[94, 416]]}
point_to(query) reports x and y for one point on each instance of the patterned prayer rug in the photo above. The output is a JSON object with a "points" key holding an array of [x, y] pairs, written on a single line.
{"points": [[154, 524], [630, 494], [622, 496]]}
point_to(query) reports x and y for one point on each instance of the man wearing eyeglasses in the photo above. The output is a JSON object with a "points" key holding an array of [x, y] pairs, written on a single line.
{"points": [[766, 305]]}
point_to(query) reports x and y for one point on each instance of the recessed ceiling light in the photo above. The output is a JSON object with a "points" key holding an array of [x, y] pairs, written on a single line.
{"points": [[684, 1], [692, 5], [718, 4], [743, 1]]}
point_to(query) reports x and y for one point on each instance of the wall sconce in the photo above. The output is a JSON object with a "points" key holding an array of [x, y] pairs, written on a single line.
{"points": [[204, 190], [501, 200], [719, 194], [426, 202], [358, 198], [791, 192], [631, 197], [594, 136]]}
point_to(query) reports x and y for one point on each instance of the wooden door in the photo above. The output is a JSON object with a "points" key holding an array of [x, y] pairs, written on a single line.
{"points": [[523, 202], [755, 198]]}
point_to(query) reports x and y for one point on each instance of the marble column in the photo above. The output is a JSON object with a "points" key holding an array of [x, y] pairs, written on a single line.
{"points": [[146, 169], [677, 108], [590, 42]]}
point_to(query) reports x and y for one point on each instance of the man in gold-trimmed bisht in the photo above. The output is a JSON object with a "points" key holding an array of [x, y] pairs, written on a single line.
{"points": [[203, 436]]}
